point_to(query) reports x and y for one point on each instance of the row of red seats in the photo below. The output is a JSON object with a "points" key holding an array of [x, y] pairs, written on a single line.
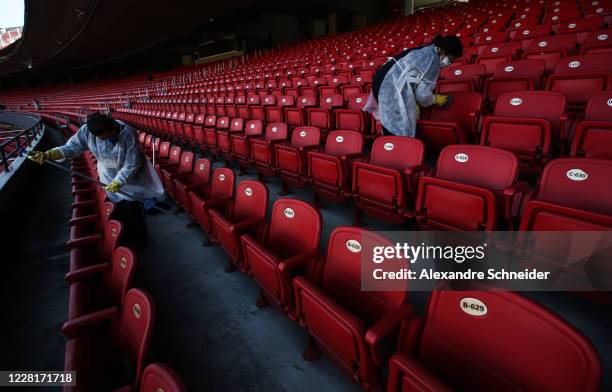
{"points": [[323, 294], [107, 321], [394, 185]]}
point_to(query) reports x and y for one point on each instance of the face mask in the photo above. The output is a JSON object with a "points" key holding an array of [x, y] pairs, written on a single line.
{"points": [[445, 61]]}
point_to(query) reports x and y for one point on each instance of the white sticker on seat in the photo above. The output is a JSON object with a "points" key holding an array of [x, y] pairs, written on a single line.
{"points": [[339, 139], [458, 72], [461, 157], [303, 133], [473, 307], [353, 245], [274, 129], [289, 213], [221, 177], [602, 37], [328, 100], [202, 166], [577, 175], [526, 32], [489, 38], [248, 192], [574, 64], [542, 44], [252, 126], [516, 101], [137, 311], [509, 68], [358, 100], [571, 25], [495, 50], [609, 102], [389, 146]]}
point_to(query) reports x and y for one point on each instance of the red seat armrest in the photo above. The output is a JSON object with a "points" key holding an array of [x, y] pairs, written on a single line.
{"points": [[73, 327], [383, 327], [86, 272], [84, 241]]}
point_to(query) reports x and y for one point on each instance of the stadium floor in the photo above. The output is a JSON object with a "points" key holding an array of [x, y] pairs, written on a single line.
{"points": [[207, 325]]}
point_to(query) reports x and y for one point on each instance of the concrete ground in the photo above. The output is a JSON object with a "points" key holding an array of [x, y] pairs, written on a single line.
{"points": [[207, 328]]}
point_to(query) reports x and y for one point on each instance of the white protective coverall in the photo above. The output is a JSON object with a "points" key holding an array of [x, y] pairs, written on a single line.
{"points": [[120, 160], [410, 80]]}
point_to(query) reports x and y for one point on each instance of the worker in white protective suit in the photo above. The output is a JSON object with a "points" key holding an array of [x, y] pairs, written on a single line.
{"points": [[408, 81], [121, 165]]}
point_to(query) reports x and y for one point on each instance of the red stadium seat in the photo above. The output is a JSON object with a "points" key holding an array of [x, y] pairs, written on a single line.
{"points": [[240, 142], [173, 159], [461, 78], [473, 188], [593, 136], [457, 124], [459, 348], [353, 118], [329, 171], [217, 195], [95, 350], [599, 42], [196, 180], [385, 185], [551, 50], [572, 194], [579, 77], [185, 165], [291, 159], [289, 246], [262, 150], [526, 123], [321, 117], [99, 286], [518, 75], [158, 377], [208, 132], [224, 137], [246, 214], [344, 321], [96, 248], [492, 55]]}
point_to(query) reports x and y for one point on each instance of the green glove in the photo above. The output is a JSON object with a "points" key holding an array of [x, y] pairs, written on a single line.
{"points": [[40, 157], [113, 186]]}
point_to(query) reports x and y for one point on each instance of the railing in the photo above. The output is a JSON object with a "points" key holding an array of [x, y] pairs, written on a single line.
{"points": [[13, 142]]}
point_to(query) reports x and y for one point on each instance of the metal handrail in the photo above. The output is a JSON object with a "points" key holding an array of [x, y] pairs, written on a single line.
{"points": [[13, 146]]}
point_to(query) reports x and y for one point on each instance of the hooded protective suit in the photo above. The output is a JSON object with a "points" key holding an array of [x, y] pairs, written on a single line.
{"points": [[119, 160], [410, 80]]}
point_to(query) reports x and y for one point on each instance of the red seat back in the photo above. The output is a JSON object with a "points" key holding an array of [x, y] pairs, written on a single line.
{"points": [[158, 377], [135, 327], [305, 136], [346, 251], [276, 131], [251, 201], [222, 183], [480, 166], [397, 152], [121, 271], [294, 226], [340, 143], [538, 352], [532, 104]]}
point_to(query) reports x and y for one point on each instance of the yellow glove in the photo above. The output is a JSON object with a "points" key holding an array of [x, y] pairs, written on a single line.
{"points": [[40, 157], [113, 186], [440, 100]]}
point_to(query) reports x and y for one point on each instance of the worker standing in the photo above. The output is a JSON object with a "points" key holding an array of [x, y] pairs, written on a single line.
{"points": [[408, 81], [121, 165]]}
